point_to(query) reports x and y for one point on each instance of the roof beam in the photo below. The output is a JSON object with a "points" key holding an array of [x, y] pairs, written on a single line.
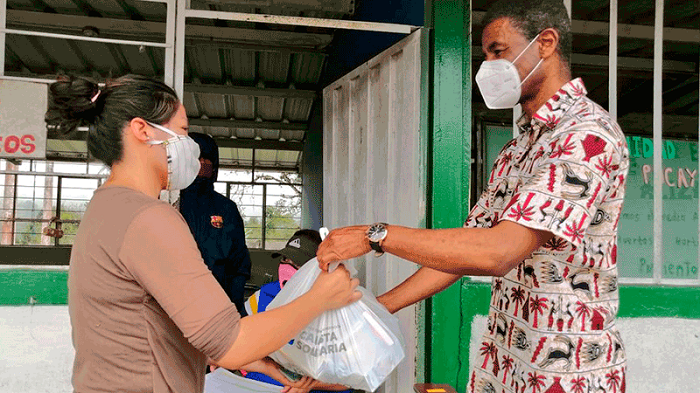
{"points": [[624, 63], [631, 122], [223, 142], [624, 30], [38, 21], [80, 134], [674, 125], [266, 125], [125, 28], [259, 144], [682, 102], [284, 49], [250, 91], [334, 6], [259, 37], [633, 63], [302, 21], [270, 168], [681, 94], [224, 163]]}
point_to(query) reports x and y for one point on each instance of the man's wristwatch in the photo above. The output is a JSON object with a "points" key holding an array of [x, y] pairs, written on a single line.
{"points": [[376, 234]]}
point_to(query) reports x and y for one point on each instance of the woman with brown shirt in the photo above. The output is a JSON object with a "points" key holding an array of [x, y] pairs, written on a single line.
{"points": [[146, 312]]}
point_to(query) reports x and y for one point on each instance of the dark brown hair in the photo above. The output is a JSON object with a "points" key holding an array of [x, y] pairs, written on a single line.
{"points": [[78, 101]]}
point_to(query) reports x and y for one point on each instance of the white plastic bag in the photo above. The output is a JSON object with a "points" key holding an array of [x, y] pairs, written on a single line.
{"points": [[358, 345]]}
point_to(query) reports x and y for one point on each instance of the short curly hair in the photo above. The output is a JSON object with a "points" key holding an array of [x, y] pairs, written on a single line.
{"points": [[533, 16]]}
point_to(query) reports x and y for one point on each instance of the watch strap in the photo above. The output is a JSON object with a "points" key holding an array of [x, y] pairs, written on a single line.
{"points": [[378, 250]]}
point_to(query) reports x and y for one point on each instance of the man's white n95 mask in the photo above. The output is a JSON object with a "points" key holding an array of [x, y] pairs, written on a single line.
{"points": [[499, 82]]}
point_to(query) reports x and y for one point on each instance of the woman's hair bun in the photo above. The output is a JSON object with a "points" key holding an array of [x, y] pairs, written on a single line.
{"points": [[105, 112], [72, 104]]}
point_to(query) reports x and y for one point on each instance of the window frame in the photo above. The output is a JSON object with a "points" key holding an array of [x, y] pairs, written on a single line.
{"points": [[266, 186]]}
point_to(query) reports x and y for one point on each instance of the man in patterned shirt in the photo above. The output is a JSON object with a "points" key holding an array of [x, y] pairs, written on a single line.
{"points": [[545, 228]]}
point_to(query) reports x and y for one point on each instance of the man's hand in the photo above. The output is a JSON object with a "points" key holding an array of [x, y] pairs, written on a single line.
{"points": [[342, 244]]}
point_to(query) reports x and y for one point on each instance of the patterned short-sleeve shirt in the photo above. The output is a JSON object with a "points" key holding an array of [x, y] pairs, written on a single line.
{"points": [[551, 324]]}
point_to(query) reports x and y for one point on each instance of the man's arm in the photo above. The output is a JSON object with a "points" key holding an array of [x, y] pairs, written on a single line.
{"points": [[421, 285], [458, 251], [445, 254]]}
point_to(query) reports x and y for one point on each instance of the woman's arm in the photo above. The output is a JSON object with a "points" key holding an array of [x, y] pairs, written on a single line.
{"points": [[162, 256]]}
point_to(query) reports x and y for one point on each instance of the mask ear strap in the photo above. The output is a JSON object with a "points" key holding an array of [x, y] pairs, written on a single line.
{"points": [[526, 48], [533, 70], [167, 131]]}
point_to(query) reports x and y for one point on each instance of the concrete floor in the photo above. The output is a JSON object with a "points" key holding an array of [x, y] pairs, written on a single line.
{"points": [[36, 353]]}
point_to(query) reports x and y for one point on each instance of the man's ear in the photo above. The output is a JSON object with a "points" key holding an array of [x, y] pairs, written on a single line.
{"points": [[140, 129], [549, 41]]}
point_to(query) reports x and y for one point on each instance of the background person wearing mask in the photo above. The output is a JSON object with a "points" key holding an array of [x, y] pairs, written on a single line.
{"points": [[300, 248], [145, 311], [216, 224], [568, 164]]}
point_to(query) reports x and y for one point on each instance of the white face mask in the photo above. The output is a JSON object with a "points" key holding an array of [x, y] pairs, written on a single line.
{"points": [[183, 158], [499, 82]]}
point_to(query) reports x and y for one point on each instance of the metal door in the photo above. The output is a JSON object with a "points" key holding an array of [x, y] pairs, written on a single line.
{"points": [[374, 167]]}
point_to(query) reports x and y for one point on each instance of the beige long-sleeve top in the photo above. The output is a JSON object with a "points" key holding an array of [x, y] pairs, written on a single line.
{"points": [[144, 308]]}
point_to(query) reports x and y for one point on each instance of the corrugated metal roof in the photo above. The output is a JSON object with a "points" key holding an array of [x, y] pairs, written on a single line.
{"points": [[39, 56], [307, 67], [264, 159], [297, 109], [243, 107], [252, 59]]}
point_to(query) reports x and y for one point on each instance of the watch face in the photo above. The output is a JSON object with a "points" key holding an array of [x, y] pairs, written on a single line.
{"points": [[376, 233]]}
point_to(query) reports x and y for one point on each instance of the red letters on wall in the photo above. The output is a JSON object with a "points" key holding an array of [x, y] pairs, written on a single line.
{"points": [[15, 144]]}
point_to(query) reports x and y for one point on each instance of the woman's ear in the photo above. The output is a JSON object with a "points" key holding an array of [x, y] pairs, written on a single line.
{"points": [[140, 129], [549, 42]]}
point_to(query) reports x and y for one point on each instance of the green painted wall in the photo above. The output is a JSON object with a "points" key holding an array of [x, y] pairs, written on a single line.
{"points": [[27, 286], [48, 285], [449, 173]]}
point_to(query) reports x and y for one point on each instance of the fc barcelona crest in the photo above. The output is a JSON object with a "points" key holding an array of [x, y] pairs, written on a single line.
{"points": [[217, 221]]}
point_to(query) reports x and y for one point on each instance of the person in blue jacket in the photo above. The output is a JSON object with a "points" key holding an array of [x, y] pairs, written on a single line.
{"points": [[216, 224], [300, 248]]}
